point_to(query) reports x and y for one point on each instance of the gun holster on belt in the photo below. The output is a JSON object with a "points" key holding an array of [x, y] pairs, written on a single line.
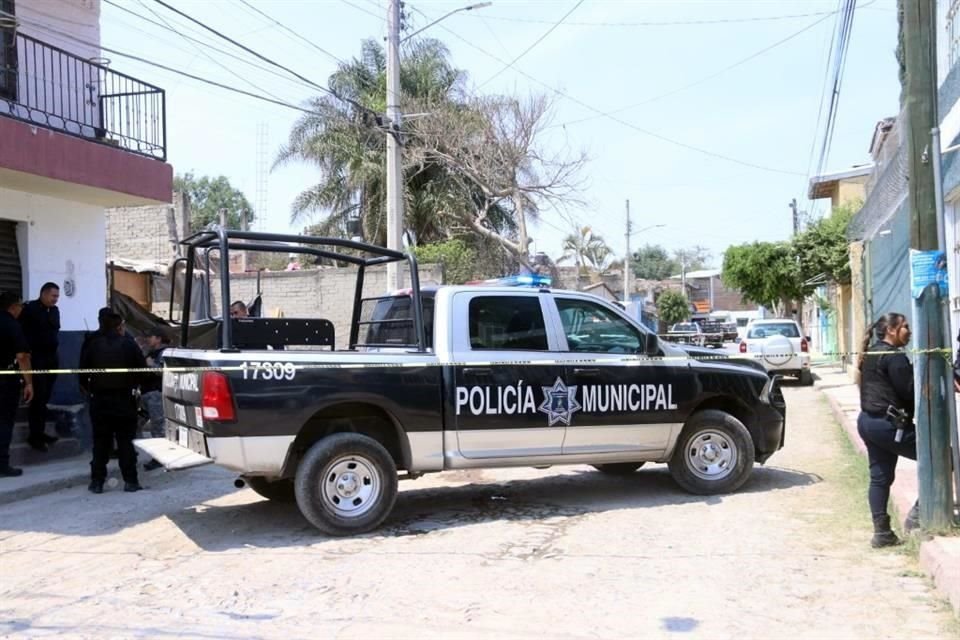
{"points": [[900, 419]]}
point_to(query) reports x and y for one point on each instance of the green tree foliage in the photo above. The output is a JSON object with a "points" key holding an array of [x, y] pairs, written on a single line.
{"points": [[673, 307], [459, 260], [765, 273], [209, 195], [823, 248], [652, 262], [693, 258]]}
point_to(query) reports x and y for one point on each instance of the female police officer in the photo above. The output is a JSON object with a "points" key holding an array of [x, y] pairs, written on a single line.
{"points": [[886, 383]]}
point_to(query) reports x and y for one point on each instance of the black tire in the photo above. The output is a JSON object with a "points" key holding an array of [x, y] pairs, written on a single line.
{"points": [[344, 473], [806, 378], [274, 490], [717, 434], [618, 468]]}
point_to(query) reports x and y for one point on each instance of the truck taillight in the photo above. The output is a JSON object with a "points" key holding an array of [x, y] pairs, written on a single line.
{"points": [[743, 346], [804, 347], [216, 397]]}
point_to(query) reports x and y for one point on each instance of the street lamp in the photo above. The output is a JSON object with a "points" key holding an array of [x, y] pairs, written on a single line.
{"points": [[394, 150], [469, 7], [626, 262]]}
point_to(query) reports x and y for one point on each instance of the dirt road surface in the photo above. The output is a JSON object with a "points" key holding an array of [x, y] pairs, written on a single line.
{"points": [[558, 553]]}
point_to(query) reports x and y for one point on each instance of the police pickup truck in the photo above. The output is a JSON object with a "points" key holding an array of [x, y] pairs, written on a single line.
{"points": [[452, 377]]}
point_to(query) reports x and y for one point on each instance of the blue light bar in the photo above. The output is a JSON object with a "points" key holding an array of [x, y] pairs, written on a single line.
{"points": [[525, 280]]}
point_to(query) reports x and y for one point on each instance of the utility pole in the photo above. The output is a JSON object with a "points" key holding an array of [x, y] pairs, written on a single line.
{"points": [[626, 262], [796, 217], [394, 150], [244, 223], [931, 381]]}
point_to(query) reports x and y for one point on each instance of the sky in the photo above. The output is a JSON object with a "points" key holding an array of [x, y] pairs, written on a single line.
{"points": [[713, 154]]}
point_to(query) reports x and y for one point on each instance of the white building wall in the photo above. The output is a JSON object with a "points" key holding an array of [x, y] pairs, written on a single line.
{"points": [[77, 18], [63, 242]]}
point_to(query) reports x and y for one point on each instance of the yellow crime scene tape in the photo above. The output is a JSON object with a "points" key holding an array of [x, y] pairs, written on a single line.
{"points": [[275, 357]]}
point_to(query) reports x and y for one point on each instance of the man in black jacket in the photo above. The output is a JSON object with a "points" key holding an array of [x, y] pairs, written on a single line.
{"points": [[886, 384], [14, 355], [40, 320], [113, 405]]}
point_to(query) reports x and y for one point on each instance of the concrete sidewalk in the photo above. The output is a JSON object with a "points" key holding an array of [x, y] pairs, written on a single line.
{"points": [[939, 556], [40, 479]]}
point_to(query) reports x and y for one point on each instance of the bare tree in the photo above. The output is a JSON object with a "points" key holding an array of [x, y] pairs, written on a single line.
{"points": [[494, 148]]}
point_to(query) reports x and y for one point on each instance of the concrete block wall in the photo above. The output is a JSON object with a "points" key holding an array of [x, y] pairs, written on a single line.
{"points": [[315, 293], [150, 233]]}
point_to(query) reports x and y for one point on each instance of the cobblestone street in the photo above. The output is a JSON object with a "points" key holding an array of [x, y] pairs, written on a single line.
{"points": [[555, 553]]}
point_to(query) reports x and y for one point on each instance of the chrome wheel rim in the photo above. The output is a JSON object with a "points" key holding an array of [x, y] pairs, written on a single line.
{"points": [[711, 455], [350, 486]]}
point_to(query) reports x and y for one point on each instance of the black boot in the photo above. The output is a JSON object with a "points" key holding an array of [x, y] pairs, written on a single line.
{"points": [[883, 536], [913, 518], [96, 486]]}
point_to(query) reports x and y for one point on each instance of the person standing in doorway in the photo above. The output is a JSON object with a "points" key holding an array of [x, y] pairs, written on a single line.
{"points": [[40, 320], [14, 355]]}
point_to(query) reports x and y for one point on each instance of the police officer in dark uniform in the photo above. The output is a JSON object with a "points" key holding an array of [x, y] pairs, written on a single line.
{"points": [[113, 405], [41, 325], [14, 354], [886, 389]]}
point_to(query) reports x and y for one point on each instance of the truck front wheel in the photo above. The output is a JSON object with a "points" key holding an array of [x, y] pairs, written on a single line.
{"points": [[346, 484], [714, 454]]}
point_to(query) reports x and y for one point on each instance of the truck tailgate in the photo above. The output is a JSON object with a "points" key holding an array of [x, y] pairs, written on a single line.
{"points": [[172, 455]]}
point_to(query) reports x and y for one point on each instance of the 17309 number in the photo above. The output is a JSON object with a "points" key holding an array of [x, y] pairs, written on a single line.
{"points": [[268, 370]]}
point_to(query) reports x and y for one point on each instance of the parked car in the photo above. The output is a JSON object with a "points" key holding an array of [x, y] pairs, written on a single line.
{"points": [[780, 346], [686, 333], [730, 332], [712, 333]]}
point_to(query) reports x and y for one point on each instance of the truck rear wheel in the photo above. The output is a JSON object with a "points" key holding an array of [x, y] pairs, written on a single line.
{"points": [[618, 468], [275, 490], [714, 454], [346, 484]]}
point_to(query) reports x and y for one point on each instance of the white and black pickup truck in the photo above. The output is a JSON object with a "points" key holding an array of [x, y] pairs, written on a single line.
{"points": [[455, 377]]}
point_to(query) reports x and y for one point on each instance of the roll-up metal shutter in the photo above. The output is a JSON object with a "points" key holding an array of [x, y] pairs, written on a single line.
{"points": [[11, 277]]}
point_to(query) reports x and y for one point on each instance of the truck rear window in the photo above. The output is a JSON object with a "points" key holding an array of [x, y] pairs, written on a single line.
{"points": [[388, 322]]}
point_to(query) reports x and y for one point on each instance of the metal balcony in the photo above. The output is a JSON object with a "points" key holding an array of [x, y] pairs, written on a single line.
{"points": [[55, 89]]}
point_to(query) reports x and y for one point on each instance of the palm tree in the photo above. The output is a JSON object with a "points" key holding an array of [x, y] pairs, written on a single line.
{"points": [[586, 248], [348, 145]]}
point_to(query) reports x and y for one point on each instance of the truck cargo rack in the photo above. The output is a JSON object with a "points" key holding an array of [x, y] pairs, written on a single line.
{"points": [[225, 240]]}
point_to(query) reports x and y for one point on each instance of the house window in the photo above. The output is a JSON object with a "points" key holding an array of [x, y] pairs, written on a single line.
{"points": [[11, 276], [8, 51]]}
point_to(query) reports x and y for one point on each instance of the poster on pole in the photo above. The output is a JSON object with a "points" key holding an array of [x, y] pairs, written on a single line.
{"points": [[927, 268]]}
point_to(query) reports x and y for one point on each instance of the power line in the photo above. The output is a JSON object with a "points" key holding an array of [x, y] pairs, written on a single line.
{"points": [[706, 78], [207, 45], [532, 46], [663, 23], [629, 125], [208, 56], [170, 69], [364, 10], [293, 33], [265, 59]]}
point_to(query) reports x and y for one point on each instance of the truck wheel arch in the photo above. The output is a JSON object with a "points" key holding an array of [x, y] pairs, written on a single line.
{"points": [[735, 407], [364, 416]]}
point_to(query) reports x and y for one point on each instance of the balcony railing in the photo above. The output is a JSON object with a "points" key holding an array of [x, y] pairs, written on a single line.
{"points": [[52, 88]]}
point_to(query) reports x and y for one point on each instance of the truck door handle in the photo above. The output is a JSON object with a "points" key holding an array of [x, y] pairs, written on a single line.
{"points": [[477, 371], [590, 371]]}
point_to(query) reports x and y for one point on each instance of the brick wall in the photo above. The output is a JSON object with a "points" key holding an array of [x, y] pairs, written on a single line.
{"points": [[148, 234], [316, 293]]}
